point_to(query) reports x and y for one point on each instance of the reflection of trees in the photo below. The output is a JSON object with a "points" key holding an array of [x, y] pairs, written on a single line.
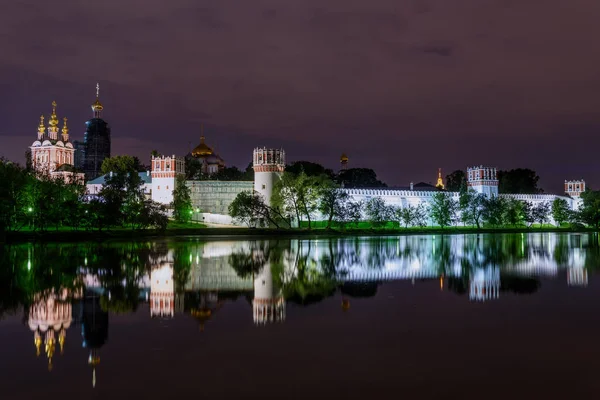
{"points": [[304, 281], [120, 270], [518, 284], [26, 270], [359, 289]]}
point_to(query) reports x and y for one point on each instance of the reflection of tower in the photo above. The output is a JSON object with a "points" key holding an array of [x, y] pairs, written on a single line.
{"points": [[162, 291], [484, 284], [268, 304], [94, 330], [268, 165], [344, 162], [577, 277], [50, 316], [483, 180]]}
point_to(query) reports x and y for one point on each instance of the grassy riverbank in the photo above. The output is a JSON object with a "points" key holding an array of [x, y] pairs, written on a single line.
{"points": [[69, 235]]}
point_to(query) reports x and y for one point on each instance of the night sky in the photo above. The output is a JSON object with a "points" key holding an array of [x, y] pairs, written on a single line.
{"points": [[403, 87]]}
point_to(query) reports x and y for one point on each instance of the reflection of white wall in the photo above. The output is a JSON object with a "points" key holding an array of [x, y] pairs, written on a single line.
{"points": [[484, 284]]}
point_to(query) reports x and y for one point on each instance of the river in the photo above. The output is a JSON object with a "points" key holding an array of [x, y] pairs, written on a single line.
{"points": [[428, 316]]}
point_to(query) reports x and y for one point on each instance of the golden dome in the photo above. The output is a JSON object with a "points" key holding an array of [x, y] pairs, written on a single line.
{"points": [[41, 127], [53, 121], [344, 158], [65, 129], [97, 106], [202, 150]]}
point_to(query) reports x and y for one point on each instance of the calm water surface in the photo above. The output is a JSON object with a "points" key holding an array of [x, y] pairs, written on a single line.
{"points": [[472, 316]]}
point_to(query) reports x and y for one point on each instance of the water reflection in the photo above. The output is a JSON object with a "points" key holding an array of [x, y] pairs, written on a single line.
{"points": [[58, 286]]}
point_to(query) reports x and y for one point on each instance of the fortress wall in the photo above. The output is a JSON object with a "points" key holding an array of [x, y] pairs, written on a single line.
{"points": [[214, 197]]}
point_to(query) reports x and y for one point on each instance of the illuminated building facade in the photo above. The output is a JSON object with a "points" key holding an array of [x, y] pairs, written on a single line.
{"points": [[53, 154], [96, 140], [165, 170], [575, 188]]}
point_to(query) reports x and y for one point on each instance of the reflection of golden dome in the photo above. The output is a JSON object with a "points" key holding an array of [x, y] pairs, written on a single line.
{"points": [[345, 304], [344, 158], [202, 150]]}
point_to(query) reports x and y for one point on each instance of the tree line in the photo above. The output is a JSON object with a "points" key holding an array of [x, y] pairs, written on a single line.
{"points": [[33, 201]]}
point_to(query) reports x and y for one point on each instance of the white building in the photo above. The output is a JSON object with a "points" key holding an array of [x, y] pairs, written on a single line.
{"points": [[94, 186]]}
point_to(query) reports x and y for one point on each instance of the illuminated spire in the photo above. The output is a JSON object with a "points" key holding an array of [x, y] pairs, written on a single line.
{"points": [[97, 106], [53, 123], [65, 131], [41, 128], [440, 181], [53, 118]]}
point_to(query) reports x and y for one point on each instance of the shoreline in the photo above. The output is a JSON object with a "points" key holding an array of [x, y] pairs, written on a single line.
{"points": [[254, 233]]}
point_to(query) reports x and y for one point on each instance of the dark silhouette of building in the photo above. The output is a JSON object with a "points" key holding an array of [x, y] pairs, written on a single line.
{"points": [[96, 141], [79, 147]]}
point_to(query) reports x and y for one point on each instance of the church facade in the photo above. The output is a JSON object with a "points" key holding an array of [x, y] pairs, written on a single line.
{"points": [[53, 154]]}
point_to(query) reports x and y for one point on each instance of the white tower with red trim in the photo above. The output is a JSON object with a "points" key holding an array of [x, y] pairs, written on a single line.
{"points": [[483, 180], [165, 170], [268, 164]]}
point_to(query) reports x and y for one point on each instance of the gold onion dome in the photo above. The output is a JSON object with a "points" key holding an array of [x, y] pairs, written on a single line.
{"points": [[344, 158], [97, 106], [53, 121], [65, 128], [202, 149], [41, 127]]}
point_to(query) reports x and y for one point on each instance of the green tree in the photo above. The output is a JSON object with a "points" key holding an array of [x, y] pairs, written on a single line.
{"points": [[516, 213], [359, 178], [332, 202], [354, 212], [377, 212], [298, 195], [472, 206], [494, 211], [560, 211], [589, 211], [541, 212], [518, 181], [13, 199], [456, 180], [250, 208], [182, 201], [122, 191], [443, 209], [308, 168]]}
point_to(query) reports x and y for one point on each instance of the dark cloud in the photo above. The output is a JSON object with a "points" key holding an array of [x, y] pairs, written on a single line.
{"points": [[404, 87]]}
